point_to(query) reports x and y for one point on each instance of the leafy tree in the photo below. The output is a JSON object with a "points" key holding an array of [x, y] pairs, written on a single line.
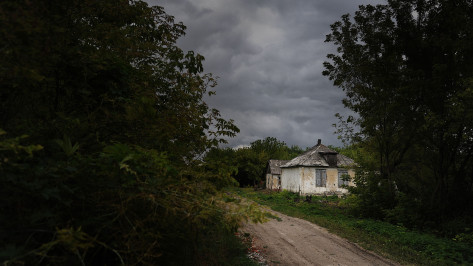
{"points": [[251, 161], [251, 166], [103, 124], [407, 69], [294, 151], [222, 163]]}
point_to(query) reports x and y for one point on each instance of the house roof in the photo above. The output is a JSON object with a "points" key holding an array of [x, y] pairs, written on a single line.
{"points": [[317, 156], [274, 166]]}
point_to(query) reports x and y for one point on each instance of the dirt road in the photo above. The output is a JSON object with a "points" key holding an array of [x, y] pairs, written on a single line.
{"points": [[293, 241]]}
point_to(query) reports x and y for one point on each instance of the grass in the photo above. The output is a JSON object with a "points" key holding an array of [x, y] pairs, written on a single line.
{"points": [[391, 241]]}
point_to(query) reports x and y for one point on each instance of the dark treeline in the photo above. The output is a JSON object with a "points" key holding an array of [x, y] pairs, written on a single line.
{"points": [[249, 163], [407, 70], [102, 123]]}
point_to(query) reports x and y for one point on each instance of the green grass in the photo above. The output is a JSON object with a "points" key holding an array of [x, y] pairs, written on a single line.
{"points": [[391, 241]]}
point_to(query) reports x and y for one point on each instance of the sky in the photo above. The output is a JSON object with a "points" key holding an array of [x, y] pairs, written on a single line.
{"points": [[268, 55]]}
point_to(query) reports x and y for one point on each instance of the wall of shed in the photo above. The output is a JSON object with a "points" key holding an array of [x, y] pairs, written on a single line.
{"points": [[272, 181], [302, 179]]}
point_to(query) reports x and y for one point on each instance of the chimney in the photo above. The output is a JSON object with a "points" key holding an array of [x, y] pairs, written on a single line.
{"points": [[319, 141]]}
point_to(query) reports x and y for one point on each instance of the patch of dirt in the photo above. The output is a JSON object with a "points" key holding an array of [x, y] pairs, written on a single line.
{"points": [[293, 241]]}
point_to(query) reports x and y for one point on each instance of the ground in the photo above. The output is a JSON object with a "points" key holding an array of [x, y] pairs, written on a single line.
{"points": [[292, 241]]}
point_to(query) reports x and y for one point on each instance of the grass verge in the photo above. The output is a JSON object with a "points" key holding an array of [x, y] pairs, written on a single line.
{"points": [[224, 249], [391, 241]]}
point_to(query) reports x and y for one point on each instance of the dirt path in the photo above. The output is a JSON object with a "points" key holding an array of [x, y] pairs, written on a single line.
{"points": [[293, 241]]}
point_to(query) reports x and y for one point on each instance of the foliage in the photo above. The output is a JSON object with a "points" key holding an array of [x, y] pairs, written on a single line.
{"points": [[407, 69], [393, 241], [248, 165], [252, 161], [103, 127], [219, 164]]}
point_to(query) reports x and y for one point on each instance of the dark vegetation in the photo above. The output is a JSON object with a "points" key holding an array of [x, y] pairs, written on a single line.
{"points": [[392, 241], [249, 163], [109, 155], [102, 126], [407, 70]]}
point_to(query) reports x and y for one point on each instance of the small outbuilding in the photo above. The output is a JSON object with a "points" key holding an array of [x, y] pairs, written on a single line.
{"points": [[273, 173], [319, 170]]}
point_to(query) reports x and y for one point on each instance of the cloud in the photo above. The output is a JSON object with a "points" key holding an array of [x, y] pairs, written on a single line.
{"points": [[269, 56]]}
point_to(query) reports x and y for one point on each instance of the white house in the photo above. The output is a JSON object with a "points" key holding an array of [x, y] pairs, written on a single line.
{"points": [[319, 170]]}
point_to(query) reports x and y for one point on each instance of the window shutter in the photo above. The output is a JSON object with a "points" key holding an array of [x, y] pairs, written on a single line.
{"points": [[341, 182], [324, 178], [320, 178]]}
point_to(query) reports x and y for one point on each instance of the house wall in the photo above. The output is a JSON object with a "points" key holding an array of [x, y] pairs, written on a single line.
{"points": [[303, 179], [290, 179], [351, 173], [308, 180], [309, 186], [332, 180]]}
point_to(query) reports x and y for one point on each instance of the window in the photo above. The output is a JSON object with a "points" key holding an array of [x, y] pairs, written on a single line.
{"points": [[343, 178], [320, 178]]}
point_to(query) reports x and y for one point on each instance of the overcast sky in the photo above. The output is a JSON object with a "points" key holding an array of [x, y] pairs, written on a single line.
{"points": [[268, 55]]}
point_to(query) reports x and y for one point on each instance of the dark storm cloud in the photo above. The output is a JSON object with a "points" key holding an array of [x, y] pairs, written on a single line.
{"points": [[269, 56]]}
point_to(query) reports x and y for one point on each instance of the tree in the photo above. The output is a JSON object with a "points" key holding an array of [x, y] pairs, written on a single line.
{"points": [[116, 61], [407, 69], [103, 125], [251, 161]]}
